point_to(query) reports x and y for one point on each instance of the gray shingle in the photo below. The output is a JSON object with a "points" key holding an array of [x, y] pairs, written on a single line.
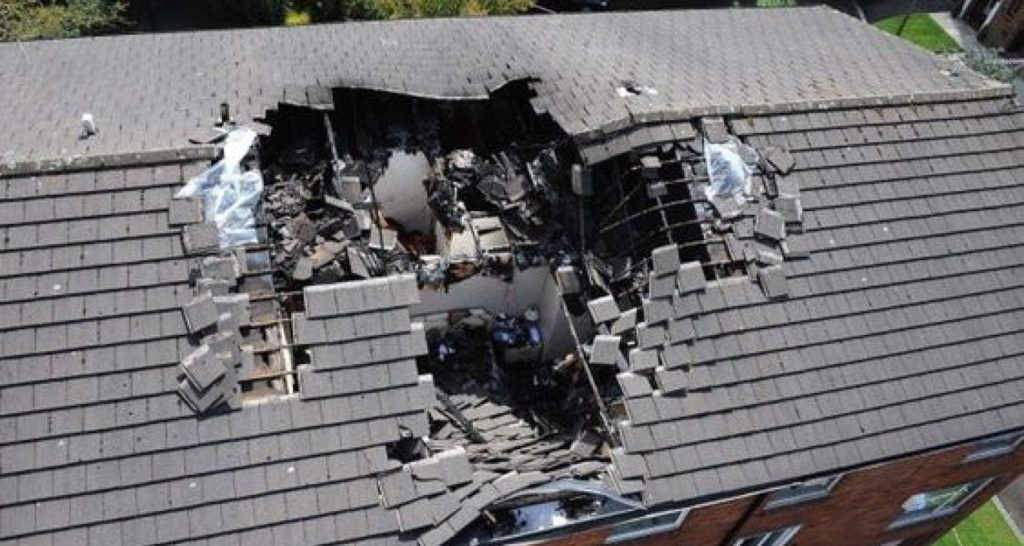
{"points": [[690, 278], [665, 259], [606, 350], [603, 309]]}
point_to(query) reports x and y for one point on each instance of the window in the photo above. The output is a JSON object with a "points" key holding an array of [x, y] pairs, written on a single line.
{"points": [[546, 509], [938, 503], [778, 537], [646, 526], [995, 447], [802, 492]]}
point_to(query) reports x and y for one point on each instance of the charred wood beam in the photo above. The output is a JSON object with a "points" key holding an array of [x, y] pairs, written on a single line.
{"points": [[656, 208], [459, 418]]}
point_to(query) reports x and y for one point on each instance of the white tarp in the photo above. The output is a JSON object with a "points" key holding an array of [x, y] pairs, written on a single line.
{"points": [[229, 195], [729, 175]]}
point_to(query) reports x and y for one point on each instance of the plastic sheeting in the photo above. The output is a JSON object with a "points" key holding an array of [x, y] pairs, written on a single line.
{"points": [[729, 175], [230, 195]]}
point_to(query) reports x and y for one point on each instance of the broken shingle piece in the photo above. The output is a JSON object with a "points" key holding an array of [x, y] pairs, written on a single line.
{"points": [[303, 269], [656, 189], [633, 385], [201, 402], [780, 159], [650, 336], [770, 224], [215, 287], [790, 209], [569, 280], [237, 305], [657, 311], [665, 259], [603, 309], [685, 305], [690, 278], [200, 313], [661, 287], [795, 248], [513, 482], [586, 444], [200, 238], [773, 282], [416, 515], [762, 253], [642, 360], [676, 356], [714, 129], [650, 166], [625, 322], [628, 465], [202, 368], [397, 488], [221, 268], [606, 350]]}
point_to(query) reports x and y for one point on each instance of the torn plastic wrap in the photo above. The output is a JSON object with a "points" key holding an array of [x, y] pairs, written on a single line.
{"points": [[729, 175], [229, 195]]}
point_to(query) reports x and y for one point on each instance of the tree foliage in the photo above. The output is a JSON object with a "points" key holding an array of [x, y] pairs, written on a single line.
{"points": [[35, 19], [404, 9]]}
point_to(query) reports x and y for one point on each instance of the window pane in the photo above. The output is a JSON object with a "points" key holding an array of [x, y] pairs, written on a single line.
{"points": [[778, 537], [646, 526], [994, 447], [802, 492], [937, 503]]}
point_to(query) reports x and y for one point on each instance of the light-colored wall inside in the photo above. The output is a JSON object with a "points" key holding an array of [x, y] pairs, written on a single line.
{"points": [[400, 191], [530, 287]]}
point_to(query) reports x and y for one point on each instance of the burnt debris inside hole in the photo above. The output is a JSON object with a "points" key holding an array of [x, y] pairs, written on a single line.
{"points": [[552, 290], [388, 183], [467, 196]]}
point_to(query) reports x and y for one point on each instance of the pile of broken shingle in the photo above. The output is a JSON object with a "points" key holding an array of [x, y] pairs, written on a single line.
{"points": [[444, 494], [759, 231], [324, 232], [214, 318], [497, 440]]}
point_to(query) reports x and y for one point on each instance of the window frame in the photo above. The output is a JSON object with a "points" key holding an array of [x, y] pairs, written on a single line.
{"points": [[997, 446], [905, 519], [681, 514], [781, 540], [801, 492]]}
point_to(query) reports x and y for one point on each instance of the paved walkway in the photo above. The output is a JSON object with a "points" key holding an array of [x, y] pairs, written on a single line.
{"points": [[963, 34], [1011, 504]]}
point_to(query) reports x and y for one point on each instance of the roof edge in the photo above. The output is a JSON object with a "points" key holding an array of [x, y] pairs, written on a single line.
{"points": [[107, 161], [1000, 90]]}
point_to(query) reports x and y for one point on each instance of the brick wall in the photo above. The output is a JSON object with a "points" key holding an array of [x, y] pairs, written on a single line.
{"points": [[857, 512]]}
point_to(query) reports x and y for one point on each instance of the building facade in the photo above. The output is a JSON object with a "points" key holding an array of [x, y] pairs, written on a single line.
{"points": [[999, 23], [906, 502]]}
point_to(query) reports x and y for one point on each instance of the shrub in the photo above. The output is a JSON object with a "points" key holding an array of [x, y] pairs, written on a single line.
{"points": [[34, 20], [403, 9], [294, 18], [986, 61]]}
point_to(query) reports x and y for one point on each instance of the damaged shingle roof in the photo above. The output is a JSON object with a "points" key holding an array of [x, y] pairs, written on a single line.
{"points": [[901, 333], [153, 91], [96, 446]]}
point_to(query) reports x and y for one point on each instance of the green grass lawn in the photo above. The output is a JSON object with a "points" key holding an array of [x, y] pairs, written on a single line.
{"points": [[985, 527], [922, 30]]}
